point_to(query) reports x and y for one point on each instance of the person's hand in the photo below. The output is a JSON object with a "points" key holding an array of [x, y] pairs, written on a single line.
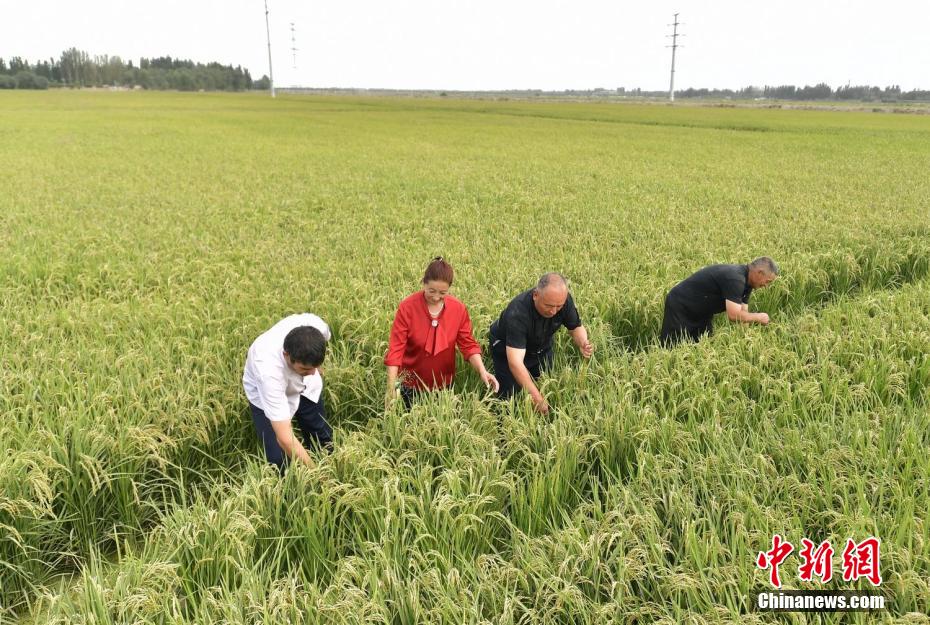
{"points": [[541, 405], [587, 349], [390, 397], [764, 318], [490, 381]]}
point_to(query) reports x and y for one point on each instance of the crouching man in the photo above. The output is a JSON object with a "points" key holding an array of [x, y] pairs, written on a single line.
{"points": [[282, 380], [521, 339], [691, 305]]}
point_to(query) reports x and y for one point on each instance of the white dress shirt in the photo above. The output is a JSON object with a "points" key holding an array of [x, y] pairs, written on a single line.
{"points": [[269, 383]]}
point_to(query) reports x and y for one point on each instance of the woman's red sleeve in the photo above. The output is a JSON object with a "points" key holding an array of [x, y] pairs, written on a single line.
{"points": [[466, 340], [397, 343]]}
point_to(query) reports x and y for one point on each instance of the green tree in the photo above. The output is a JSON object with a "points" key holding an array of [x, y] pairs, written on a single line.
{"points": [[73, 62], [28, 80], [18, 64]]}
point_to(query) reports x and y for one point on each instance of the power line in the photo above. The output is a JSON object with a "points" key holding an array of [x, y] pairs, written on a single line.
{"points": [[674, 46]]}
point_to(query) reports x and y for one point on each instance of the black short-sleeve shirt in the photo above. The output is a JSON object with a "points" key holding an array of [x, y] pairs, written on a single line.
{"points": [[522, 327], [705, 292]]}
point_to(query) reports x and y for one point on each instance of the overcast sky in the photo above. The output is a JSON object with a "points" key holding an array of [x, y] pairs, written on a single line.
{"points": [[499, 44]]}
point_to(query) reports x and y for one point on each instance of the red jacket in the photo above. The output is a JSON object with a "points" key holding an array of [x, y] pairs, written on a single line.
{"points": [[426, 353]]}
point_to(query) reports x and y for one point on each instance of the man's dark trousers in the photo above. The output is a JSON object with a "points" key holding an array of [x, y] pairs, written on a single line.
{"points": [[678, 326], [311, 419], [536, 363]]}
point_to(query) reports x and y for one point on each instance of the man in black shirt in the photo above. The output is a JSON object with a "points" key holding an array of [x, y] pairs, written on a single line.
{"points": [[691, 305], [521, 340]]}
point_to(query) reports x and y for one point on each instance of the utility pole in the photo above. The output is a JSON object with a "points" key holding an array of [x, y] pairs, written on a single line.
{"points": [[674, 46], [294, 45], [268, 34]]}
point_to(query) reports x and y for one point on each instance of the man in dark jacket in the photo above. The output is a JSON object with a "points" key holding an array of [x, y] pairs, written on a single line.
{"points": [[691, 305]]}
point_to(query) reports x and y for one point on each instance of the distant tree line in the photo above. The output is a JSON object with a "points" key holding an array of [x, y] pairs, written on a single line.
{"points": [[76, 68], [821, 91]]}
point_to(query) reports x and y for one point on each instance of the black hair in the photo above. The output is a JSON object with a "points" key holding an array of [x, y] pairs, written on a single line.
{"points": [[306, 345]]}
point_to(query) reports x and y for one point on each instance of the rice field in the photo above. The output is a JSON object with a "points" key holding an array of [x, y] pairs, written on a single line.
{"points": [[148, 238]]}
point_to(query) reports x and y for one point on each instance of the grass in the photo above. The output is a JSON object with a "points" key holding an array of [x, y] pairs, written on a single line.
{"points": [[149, 238]]}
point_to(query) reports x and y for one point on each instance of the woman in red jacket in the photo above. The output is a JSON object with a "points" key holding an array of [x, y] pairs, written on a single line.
{"points": [[427, 328]]}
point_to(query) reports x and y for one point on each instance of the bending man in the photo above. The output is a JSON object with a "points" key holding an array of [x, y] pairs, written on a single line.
{"points": [[691, 305], [282, 380], [521, 340]]}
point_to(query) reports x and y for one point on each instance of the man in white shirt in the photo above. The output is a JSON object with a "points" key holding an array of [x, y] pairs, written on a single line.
{"points": [[282, 380]]}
